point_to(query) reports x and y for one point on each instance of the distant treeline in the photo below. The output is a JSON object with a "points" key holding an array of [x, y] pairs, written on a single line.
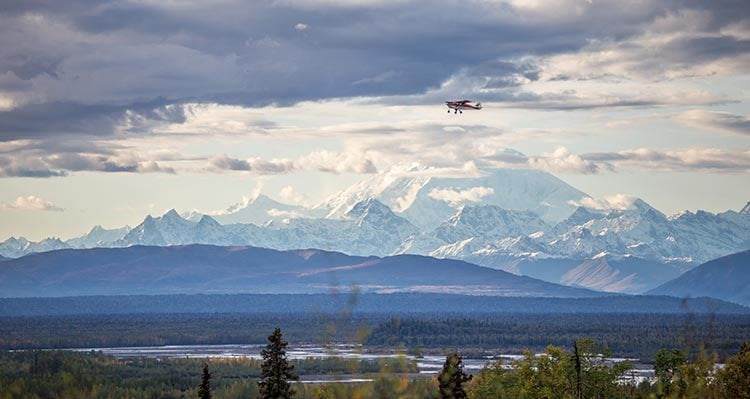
{"points": [[559, 372], [361, 303], [63, 374], [631, 335]]}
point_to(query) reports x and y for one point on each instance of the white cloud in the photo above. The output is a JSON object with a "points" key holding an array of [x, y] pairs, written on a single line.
{"points": [[321, 161], [682, 160], [614, 202], [456, 196], [676, 45], [290, 194], [30, 202], [300, 26], [278, 213], [720, 121], [562, 160], [336, 162]]}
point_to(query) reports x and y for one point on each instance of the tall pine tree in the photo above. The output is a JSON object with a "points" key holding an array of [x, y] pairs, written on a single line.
{"points": [[276, 372], [452, 378], [205, 390]]}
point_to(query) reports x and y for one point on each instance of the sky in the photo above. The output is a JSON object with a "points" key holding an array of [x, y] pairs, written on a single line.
{"points": [[112, 110]]}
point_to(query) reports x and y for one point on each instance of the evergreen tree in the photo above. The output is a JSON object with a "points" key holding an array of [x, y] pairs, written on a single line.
{"points": [[276, 372], [734, 378], [667, 367], [205, 390], [452, 378]]}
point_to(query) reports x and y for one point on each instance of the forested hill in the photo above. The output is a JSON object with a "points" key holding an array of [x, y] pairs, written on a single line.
{"points": [[358, 303], [208, 269], [727, 278]]}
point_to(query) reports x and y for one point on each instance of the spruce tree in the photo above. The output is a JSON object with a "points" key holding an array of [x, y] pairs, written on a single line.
{"points": [[276, 372], [205, 390], [452, 378]]}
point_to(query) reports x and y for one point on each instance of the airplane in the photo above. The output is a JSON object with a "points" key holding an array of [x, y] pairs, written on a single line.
{"points": [[459, 106]]}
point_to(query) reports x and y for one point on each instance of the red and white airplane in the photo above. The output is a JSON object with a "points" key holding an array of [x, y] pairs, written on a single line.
{"points": [[459, 106]]}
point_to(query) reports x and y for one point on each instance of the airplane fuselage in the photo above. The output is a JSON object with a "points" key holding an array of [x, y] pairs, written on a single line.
{"points": [[460, 106]]}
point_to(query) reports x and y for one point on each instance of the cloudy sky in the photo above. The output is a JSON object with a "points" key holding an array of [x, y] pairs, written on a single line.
{"points": [[113, 110]]}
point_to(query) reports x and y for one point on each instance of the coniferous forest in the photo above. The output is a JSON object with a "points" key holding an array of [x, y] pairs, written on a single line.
{"points": [[556, 373]]}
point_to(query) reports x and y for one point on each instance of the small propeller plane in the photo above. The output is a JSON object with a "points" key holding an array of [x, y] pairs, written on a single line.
{"points": [[459, 106]]}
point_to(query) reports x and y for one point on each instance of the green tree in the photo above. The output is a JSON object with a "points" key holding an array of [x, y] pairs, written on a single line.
{"points": [[452, 378], [492, 382], [276, 372], [204, 392], [667, 366], [734, 378], [695, 378]]}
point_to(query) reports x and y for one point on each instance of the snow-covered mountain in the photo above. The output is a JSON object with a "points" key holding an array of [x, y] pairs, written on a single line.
{"points": [[524, 222], [260, 210], [98, 236], [427, 201], [17, 247]]}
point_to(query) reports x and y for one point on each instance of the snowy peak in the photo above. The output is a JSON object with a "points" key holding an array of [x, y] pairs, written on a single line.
{"points": [[488, 223], [208, 221], [427, 198], [260, 210], [172, 215], [370, 210], [396, 188], [99, 236], [372, 217], [169, 229]]}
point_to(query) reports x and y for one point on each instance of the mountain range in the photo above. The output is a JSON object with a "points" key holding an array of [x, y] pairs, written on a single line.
{"points": [[210, 269], [526, 222]]}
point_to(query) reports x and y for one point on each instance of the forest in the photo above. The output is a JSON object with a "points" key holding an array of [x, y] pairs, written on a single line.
{"points": [[628, 335], [556, 373]]}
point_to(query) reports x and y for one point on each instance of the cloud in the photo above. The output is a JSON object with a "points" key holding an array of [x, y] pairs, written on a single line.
{"points": [[336, 162], [456, 196], [52, 120], [679, 43], [119, 53], [30, 202], [133, 75], [562, 161], [682, 160], [257, 165], [321, 161], [274, 213], [288, 193], [59, 159], [619, 202], [719, 121]]}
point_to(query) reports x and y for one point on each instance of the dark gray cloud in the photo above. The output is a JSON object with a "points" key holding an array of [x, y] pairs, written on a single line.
{"points": [[108, 69], [57, 119], [249, 53]]}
